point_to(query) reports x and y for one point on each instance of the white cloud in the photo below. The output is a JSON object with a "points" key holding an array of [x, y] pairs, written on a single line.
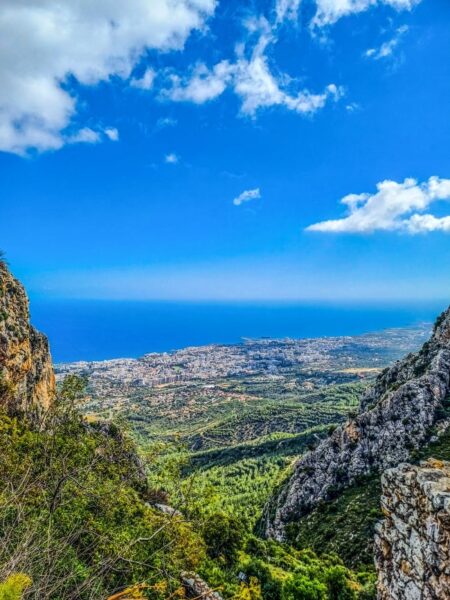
{"points": [[259, 88], [202, 85], [247, 196], [46, 43], [387, 48], [171, 159], [146, 81], [352, 107], [50, 45], [85, 135], [330, 11], [251, 78], [287, 10], [394, 207], [112, 133]]}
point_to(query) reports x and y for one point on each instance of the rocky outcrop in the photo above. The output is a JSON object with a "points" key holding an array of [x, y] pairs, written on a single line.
{"points": [[27, 381], [395, 417], [195, 587], [168, 510], [412, 543]]}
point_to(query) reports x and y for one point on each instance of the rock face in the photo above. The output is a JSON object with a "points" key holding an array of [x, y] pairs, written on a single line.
{"points": [[395, 417], [195, 587], [27, 381], [412, 544]]}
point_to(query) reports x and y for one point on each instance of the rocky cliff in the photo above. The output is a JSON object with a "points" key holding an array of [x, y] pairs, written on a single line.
{"points": [[395, 417], [412, 543], [26, 373]]}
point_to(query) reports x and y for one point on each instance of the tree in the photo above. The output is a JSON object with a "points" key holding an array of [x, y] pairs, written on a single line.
{"points": [[224, 537], [300, 587]]}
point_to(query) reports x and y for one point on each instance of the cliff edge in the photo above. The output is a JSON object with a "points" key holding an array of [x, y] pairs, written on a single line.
{"points": [[27, 382], [395, 418]]}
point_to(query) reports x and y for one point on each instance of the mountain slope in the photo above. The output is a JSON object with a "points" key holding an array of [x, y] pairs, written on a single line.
{"points": [[79, 519], [396, 416]]}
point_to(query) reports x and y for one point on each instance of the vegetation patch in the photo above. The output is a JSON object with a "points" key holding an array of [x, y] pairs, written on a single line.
{"points": [[344, 526]]}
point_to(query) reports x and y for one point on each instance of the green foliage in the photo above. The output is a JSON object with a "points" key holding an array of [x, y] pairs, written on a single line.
{"points": [[14, 587], [340, 586], [235, 412], [73, 514], [439, 321], [6, 390], [224, 537], [241, 488], [237, 480], [76, 515], [299, 587], [288, 574], [275, 444], [439, 449], [344, 525], [73, 388]]}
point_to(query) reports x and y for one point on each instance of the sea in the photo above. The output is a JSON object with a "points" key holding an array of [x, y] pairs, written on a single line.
{"points": [[85, 330]]}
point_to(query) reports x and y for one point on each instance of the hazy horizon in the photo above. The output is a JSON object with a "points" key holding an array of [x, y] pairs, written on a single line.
{"points": [[104, 329]]}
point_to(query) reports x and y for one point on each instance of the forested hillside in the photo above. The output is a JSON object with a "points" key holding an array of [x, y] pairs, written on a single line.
{"points": [[166, 491], [85, 513]]}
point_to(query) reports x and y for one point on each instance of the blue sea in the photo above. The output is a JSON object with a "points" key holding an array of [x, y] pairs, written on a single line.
{"points": [[99, 330]]}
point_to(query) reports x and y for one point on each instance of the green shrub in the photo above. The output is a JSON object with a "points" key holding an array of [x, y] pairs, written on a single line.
{"points": [[224, 537], [14, 587], [73, 513], [340, 587], [299, 587]]}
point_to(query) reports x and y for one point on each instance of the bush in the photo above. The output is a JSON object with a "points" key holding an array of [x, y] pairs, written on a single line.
{"points": [[14, 587], [270, 584], [224, 537], [73, 514], [299, 587], [340, 587]]}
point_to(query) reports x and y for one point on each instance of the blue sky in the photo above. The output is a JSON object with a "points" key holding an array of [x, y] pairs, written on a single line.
{"points": [[203, 151]]}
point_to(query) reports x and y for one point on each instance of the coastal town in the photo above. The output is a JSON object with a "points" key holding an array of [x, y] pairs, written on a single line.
{"points": [[159, 383]]}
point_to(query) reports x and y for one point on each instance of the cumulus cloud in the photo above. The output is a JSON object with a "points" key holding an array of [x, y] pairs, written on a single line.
{"points": [[112, 133], [86, 135], [247, 196], [171, 159], [387, 48], [145, 82], [394, 207], [251, 78], [52, 47], [46, 45], [330, 11]]}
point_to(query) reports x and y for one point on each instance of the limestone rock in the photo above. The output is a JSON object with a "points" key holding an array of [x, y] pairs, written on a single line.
{"points": [[197, 588], [168, 510], [395, 417], [26, 373], [412, 543]]}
